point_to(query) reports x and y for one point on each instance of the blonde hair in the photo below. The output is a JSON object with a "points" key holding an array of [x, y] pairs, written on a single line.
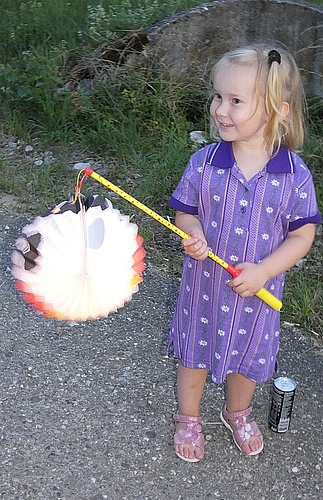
{"points": [[277, 82]]}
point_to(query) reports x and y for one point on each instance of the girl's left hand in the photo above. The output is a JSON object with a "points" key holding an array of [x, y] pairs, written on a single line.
{"points": [[251, 279]]}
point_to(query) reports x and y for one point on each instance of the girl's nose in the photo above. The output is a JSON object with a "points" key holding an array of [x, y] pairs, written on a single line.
{"points": [[221, 108]]}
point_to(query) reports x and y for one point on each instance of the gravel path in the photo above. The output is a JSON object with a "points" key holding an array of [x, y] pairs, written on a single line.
{"points": [[86, 408]]}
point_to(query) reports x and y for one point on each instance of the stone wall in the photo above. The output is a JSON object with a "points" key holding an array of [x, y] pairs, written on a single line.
{"points": [[187, 44]]}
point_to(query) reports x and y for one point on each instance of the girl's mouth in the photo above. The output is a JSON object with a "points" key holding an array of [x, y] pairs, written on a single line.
{"points": [[225, 125]]}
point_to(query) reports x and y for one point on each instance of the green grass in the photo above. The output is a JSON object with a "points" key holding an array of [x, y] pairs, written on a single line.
{"points": [[134, 127], [75, 25]]}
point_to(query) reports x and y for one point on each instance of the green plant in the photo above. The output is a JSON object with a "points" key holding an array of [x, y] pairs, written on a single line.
{"points": [[303, 299], [41, 186], [134, 122], [75, 26], [33, 88]]}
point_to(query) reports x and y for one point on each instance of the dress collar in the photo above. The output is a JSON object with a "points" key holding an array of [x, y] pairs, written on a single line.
{"points": [[222, 156]]}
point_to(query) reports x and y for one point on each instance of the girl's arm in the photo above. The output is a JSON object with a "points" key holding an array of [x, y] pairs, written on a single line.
{"points": [[196, 246], [254, 276]]}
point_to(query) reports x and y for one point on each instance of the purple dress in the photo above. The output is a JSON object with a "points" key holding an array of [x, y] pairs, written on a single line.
{"points": [[213, 327]]}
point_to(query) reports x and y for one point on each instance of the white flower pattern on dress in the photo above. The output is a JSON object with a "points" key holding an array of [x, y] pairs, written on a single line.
{"points": [[235, 319], [204, 320]]}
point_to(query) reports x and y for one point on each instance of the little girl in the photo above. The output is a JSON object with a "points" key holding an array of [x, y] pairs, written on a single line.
{"points": [[250, 199]]}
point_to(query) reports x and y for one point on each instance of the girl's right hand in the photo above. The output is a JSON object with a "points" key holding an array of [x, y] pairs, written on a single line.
{"points": [[196, 246]]}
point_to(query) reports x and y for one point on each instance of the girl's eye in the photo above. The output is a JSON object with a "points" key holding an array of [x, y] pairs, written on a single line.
{"points": [[236, 101], [216, 97]]}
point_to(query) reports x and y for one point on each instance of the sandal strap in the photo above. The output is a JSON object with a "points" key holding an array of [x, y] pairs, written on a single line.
{"points": [[192, 434], [191, 437], [235, 415], [186, 419], [241, 429]]}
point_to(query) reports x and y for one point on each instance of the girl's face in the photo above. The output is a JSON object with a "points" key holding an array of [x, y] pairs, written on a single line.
{"points": [[234, 107]]}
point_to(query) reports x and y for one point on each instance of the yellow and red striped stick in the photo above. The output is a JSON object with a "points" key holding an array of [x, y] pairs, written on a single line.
{"points": [[263, 294]]}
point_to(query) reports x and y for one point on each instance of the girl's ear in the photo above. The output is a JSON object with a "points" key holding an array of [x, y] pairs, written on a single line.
{"points": [[284, 109]]}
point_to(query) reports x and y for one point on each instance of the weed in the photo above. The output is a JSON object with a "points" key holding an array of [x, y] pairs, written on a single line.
{"points": [[303, 299], [135, 120]]}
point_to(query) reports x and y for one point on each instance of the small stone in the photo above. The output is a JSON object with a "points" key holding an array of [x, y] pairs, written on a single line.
{"points": [[80, 165], [197, 137], [151, 434]]}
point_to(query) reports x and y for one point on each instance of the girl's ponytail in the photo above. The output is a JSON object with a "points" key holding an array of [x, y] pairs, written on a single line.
{"points": [[284, 98]]}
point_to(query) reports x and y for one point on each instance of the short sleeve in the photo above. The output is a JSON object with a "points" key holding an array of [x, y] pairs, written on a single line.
{"points": [[304, 208], [186, 195]]}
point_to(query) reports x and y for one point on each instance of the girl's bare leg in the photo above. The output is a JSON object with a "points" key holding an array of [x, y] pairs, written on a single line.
{"points": [[240, 391], [190, 385]]}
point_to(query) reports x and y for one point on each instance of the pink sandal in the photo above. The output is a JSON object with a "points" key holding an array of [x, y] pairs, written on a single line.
{"points": [[241, 429], [191, 435]]}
